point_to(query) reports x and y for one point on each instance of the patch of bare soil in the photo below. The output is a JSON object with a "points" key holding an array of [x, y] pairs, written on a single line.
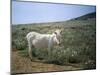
{"points": [[20, 64]]}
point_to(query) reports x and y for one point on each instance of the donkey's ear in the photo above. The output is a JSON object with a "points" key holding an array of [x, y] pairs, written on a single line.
{"points": [[55, 32]]}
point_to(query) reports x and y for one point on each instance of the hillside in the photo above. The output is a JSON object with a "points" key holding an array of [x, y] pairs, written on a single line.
{"points": [[86, 17]]}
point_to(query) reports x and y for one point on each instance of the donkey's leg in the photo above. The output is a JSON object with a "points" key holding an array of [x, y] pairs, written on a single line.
{"points": [[30, 50], [50, 47]]}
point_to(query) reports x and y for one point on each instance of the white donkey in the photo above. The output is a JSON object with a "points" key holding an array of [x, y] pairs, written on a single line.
{"points": [[42, 41]]}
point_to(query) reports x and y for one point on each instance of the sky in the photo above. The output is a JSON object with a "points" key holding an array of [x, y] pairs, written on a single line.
{"points": [[32, 12]]}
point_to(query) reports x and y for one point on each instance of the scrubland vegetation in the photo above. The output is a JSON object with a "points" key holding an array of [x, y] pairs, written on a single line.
{"points": [[78, 44]]}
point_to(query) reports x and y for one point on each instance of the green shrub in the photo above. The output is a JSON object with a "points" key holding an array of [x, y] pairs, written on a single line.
{"points": [[19, 43]]}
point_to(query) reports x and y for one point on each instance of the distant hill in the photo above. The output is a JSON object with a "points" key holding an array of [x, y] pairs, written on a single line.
{"points": [[87, 16]]}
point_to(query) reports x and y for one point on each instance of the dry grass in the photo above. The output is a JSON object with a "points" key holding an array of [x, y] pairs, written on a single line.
{"points": [[24, 65]]}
